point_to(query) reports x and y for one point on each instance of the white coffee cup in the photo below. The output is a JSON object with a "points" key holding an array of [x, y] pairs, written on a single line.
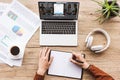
{"points": [[14, 52]]}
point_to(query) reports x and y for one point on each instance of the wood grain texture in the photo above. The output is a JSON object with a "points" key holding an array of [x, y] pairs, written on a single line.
{"points": [[109, 61]]}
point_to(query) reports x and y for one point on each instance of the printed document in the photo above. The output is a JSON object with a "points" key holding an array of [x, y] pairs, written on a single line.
{"points": [[3, 7], [17, 25]]}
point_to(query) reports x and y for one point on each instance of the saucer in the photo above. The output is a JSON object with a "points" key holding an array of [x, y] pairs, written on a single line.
{"points": [[19, 56]]}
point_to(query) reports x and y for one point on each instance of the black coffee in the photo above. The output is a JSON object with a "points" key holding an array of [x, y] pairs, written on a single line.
{"points": [[15, 50]]}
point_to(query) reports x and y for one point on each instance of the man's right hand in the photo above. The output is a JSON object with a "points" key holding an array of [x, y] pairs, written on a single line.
{"points": [[79, 57]]}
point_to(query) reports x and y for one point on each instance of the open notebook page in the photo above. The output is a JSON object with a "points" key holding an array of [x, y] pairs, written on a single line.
{"points": [[61, 65]]}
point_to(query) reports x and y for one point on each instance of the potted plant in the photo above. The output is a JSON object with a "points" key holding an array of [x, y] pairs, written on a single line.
{"points": [[109, 9]]}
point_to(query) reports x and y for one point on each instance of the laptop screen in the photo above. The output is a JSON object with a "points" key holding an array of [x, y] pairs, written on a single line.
{"points": [[58, 10]]}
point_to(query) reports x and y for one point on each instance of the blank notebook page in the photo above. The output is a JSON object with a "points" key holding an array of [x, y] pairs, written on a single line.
{"points": [[61, 65]]}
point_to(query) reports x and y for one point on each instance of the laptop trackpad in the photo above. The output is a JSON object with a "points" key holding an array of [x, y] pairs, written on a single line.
{"points": [[58, 40]]}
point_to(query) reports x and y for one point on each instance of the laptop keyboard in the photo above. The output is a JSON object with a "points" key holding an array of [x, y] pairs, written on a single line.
{"points": [[55, 27]]}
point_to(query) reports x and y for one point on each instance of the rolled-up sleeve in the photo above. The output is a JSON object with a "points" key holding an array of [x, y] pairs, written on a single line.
{"points": [[38, 77], [99, 74]]}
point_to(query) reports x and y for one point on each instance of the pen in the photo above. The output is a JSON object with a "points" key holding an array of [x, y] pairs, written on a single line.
{"points": [[79, 61], [74, 58]]}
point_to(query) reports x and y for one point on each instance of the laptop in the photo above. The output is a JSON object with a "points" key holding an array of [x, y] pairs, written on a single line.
{"points": [[59, 23]]}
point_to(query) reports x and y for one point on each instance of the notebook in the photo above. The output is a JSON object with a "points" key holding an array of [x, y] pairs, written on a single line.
{"points": [[61, 66]]}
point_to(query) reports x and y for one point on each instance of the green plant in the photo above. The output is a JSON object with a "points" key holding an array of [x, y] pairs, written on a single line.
{"points": [[109, 10]]}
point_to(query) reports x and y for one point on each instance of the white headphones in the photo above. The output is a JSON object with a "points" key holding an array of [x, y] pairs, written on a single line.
{"points": [[98, 48]]}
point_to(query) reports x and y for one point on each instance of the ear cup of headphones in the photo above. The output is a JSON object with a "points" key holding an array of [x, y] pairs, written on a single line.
{"points": [[97, 48], [89, 42]]}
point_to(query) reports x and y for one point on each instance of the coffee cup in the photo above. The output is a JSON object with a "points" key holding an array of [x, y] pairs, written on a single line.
{"points": [[15, 52]]}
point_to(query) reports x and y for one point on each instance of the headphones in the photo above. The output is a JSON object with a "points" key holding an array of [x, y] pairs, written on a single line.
{"points": [[98, 48]]}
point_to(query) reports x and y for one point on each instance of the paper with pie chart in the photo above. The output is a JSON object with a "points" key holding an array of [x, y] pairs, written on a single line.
{"points": [[18, 30]]}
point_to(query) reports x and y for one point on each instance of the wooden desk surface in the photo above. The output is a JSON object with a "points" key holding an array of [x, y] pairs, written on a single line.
{"points": [[109, 61]]}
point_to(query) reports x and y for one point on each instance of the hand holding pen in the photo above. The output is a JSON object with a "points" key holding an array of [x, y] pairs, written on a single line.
{"points": [[79, 60]]}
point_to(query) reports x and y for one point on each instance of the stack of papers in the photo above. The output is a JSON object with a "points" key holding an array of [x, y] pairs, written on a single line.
{"points": [[17, 25]]}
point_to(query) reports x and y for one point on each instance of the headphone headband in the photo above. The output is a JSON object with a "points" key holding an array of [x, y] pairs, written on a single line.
{"points": [[106, 36]]}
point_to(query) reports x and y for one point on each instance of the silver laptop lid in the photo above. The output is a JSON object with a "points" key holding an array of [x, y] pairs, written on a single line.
{"points": [[58, 10]]}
